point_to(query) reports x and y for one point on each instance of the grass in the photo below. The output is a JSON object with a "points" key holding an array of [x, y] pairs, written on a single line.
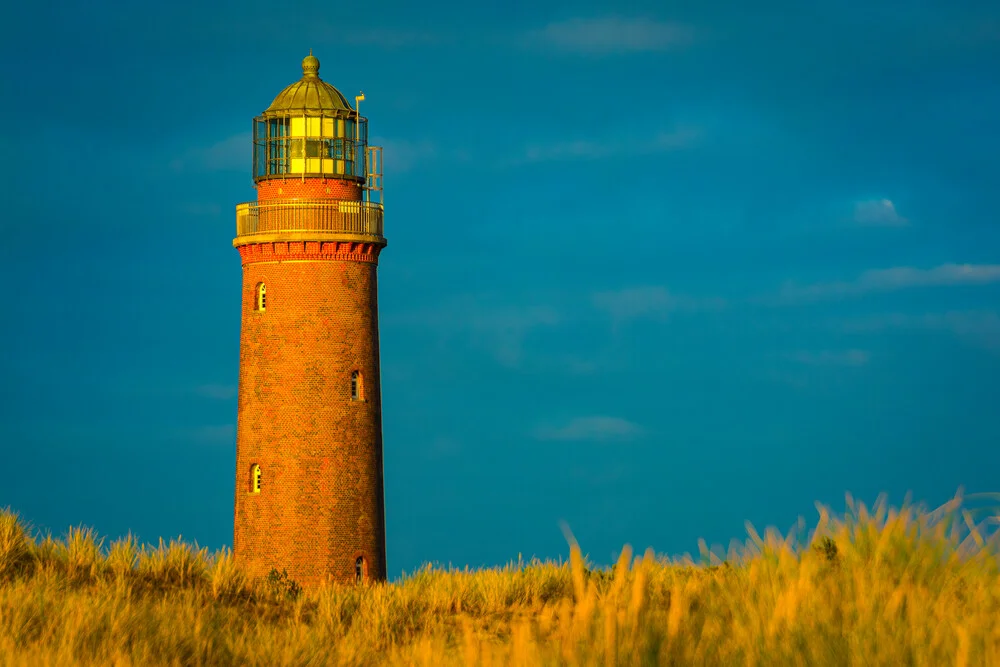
{"points": [[875, 587]]}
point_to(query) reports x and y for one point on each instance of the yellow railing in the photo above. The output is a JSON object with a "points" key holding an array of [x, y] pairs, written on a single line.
{"points": [[309, 215]]}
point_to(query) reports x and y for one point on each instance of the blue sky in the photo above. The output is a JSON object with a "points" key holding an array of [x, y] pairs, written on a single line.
{"points": [[653, 269]]}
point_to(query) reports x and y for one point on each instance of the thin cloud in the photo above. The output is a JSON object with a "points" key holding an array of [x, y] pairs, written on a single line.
{"points": [[236, 152], [635, 302], [503, 332], [578, 366], [596, 428], [500, 330], [198, 209], [853, 358], [896, 278], [612, 35], [388, 38], [978, 327], [443, 447], [401, 155], [232, 154], [223, 434], [649, 301], [878, 212], [216, 391], [589, 149], [795, 380]]}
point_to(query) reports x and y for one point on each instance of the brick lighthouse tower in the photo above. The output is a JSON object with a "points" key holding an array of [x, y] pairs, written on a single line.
{"points": [[309, 494]]}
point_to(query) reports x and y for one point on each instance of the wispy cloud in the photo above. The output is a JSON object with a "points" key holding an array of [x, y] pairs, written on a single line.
{"points": [[504, 331], [633, 302], [577, 366], [896, 278], [978, 327], [235, 154], [796, 380], [232, 154], [401, 155], [443, 447], [596, 428], [389, 38], [217, 391], [612, 35], [649, 301], [222, 434], [198, 209], [593, 149], [878, 212], [501, 330], [830, 357]]}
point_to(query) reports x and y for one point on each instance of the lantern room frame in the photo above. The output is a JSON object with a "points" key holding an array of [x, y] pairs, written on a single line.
{"points": [[310, 145]]}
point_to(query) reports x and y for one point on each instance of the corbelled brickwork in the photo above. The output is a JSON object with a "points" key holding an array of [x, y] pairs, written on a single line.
{"points": [[321, 499], [310, 188], [284, 251]]}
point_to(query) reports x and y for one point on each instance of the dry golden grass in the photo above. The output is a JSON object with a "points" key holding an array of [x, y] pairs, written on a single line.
{"points": [[875, 587]]}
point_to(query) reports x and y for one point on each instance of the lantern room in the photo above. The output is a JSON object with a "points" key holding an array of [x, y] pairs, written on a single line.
{"points": [[310, 131]]}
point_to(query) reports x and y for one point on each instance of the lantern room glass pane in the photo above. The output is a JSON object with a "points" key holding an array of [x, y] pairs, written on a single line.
{"points": [[317, 147], [259, 147], [277, 146]]}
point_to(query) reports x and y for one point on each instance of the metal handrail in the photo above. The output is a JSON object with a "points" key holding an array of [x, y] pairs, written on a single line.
{"points": [[307, 215]]}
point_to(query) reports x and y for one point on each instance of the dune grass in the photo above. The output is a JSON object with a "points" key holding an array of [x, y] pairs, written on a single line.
{"points": [[872, 587]]}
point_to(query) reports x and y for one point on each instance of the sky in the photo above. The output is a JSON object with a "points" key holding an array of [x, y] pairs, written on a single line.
{"points": [[654, 269]]}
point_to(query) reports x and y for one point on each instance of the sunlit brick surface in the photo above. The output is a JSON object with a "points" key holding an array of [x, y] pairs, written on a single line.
{"points": [[311, 188], [321, 503]]}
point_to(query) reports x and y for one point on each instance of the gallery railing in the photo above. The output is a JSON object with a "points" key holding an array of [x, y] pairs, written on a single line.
{"points": [[307, 215]]}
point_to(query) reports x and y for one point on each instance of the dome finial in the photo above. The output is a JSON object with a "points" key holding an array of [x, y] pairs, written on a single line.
{"points": [[310, 66]]}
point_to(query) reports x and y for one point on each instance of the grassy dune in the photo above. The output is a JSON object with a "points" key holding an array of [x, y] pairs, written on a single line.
{"points": [[873, 587]]}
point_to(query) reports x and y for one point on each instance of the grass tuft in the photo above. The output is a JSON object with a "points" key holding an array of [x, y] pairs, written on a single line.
{"points": [[173, 565], [15, 545]]}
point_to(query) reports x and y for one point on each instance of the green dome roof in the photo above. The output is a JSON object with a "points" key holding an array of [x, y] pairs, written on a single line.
{"points": [[310, 94]]}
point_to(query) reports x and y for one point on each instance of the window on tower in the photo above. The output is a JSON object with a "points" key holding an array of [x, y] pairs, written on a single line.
{"points": [[255, 478], [260, 297], [360, 568], [357, 386]]}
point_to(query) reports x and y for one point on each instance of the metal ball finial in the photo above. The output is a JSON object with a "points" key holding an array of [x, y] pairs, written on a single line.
{"points": [[310, 66]]}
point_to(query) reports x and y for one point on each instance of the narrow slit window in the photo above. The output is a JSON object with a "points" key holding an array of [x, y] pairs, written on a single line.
{"points": [[357, 386], [255, 478], [260, 298], [359, 569]]}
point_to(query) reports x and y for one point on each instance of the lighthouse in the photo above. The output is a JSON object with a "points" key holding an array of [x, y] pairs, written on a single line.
{"points": [[309, 490]]}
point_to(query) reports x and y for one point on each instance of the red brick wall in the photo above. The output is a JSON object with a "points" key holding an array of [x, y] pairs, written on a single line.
{"points": [[311, 188], [321, 501]]}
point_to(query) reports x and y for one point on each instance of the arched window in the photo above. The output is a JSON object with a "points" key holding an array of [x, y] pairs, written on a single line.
{"points": [[255, 478], [360, 569], [357, 386], [260, 297]]}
